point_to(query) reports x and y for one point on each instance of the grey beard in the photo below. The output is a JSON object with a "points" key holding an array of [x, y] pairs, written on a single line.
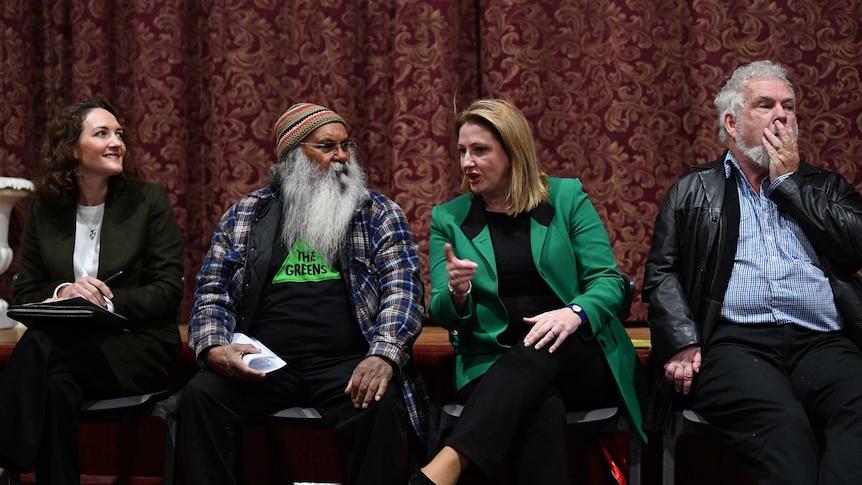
{"points": [[318, 206], [757, 154]]}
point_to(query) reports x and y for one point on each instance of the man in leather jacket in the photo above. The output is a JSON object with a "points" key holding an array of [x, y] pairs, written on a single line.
{"points": [[755, 306], [324, 273]]}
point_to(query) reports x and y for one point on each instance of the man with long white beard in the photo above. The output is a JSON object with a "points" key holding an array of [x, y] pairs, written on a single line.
{"points": [[324, 273], [754, 307]]}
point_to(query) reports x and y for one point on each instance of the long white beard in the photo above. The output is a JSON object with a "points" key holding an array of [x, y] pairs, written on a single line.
{"points": [[318, 206]]}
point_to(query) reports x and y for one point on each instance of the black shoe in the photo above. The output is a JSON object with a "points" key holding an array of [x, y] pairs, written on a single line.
{"points": [[420, 478]]}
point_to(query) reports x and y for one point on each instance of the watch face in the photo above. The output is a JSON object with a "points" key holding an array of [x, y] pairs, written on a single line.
{"points": [[576, 308]]}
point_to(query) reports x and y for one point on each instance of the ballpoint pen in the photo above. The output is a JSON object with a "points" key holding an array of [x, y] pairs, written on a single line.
{"points": [[112, 277]]}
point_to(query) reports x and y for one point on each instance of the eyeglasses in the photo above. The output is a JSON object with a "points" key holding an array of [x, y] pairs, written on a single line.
{"points": [[331, 146]]}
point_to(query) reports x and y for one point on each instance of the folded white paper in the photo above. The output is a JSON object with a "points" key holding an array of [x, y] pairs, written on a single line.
{"points": [[266, 361]]}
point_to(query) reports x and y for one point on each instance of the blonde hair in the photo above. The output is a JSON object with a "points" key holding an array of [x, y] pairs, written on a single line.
{"points": [[528, 185]]}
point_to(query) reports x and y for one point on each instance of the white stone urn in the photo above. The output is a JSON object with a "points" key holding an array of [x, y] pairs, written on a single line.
{"points": [[11, 191]]}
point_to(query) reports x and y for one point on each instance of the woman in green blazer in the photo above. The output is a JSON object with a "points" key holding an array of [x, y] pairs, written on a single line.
{"points": [[523, 276], [91, 219]]}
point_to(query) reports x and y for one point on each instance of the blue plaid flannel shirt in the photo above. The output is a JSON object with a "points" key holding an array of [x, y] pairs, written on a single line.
{"points": [[384, 274]]}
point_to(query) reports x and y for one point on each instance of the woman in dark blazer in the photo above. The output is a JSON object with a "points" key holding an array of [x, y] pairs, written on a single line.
{"points": [[91, 219], [523, 276]]}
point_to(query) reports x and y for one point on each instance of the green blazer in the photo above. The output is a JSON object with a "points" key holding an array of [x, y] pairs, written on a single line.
{"points": [[571, 251], [139, 236]]}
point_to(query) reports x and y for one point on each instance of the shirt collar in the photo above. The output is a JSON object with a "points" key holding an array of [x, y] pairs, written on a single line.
{"points": [[729, 163]]}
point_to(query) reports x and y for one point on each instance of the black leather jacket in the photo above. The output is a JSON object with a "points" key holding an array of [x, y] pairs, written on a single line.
{"points": [[695, 239]]}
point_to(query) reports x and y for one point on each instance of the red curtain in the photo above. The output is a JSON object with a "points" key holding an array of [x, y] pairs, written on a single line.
{"points": [[619, 93]]}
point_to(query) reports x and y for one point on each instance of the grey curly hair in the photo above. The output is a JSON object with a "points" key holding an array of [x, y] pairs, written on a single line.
{"points": [[730, 98]]}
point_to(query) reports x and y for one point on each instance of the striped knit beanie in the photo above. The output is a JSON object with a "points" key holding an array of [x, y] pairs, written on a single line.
{"points": [[298, 122]]}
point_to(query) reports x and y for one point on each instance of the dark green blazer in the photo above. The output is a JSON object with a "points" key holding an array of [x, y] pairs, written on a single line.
{"points": [[572, 253], [139, 236]]}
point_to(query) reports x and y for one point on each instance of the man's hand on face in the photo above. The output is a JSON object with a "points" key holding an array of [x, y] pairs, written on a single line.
{"points": [[782, 149], [369, 381], [227, 360]]}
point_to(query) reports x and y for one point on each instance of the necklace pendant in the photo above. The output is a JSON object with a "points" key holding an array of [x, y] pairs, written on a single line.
{"points": [[92, 233]]}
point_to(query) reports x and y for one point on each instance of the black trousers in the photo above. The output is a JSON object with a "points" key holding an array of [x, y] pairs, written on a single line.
{"points": [[518, 408], [214, 409], [41, 391], [770, 388]]}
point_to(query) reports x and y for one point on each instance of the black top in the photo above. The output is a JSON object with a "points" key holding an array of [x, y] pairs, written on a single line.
{"points": [[305, 308], [521, 287]]}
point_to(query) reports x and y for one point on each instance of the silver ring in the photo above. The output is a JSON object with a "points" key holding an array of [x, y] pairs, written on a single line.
{"points": [[553, 332]]}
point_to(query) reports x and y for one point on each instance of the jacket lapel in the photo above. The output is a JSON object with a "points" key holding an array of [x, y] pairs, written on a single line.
{"points": [[475, 228], [540, 221], [114, 240]]}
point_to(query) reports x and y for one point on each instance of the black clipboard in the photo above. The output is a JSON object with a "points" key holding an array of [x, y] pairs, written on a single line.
{"points": [[70, 313]]}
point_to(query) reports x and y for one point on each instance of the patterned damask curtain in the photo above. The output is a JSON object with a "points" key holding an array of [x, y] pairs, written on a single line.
{"points": [[619, 92]]}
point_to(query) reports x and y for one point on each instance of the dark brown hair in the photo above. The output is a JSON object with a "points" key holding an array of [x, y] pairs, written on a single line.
{"points": [[55, 179]]}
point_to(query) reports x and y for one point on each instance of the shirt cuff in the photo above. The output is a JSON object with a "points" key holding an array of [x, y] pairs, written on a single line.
{"points": [[775, 183], [57, 289]]}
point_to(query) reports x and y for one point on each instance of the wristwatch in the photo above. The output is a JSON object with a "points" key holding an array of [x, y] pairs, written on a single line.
{"points": [[580, 311]]}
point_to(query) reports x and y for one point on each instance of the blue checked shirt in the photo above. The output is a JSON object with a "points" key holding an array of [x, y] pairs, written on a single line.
{"points": [[776, 277], [385, 281]]}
